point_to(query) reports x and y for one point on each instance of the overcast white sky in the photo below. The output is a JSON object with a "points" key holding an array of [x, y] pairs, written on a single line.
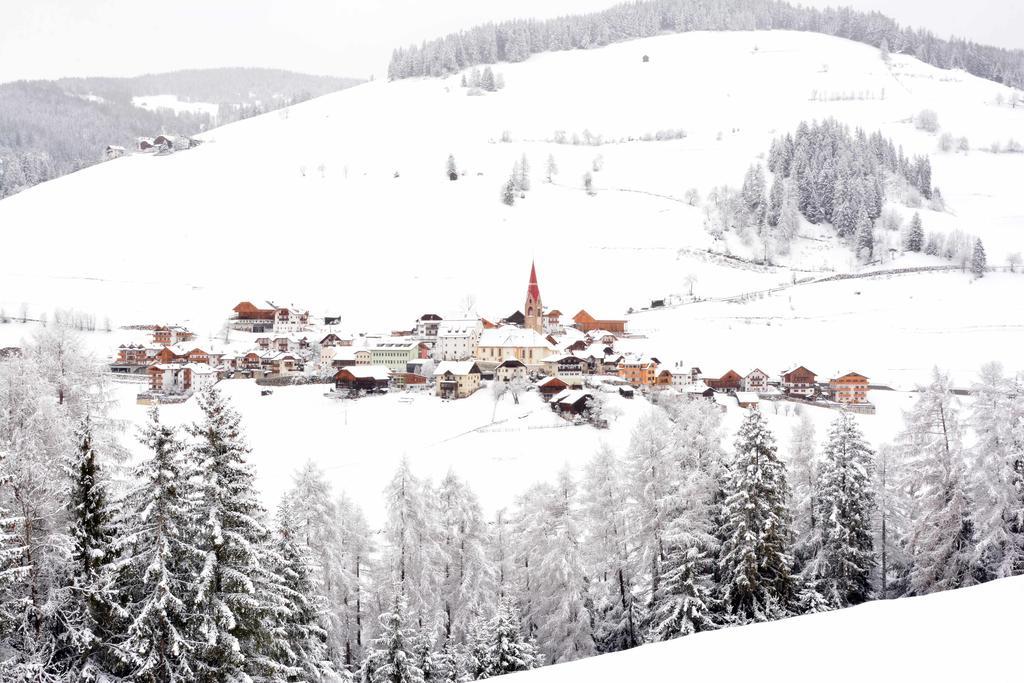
{"points": [[54, 38]]}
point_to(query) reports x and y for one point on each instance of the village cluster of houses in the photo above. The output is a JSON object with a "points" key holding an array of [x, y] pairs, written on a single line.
{"points": [[566, 360], [161, 144]]}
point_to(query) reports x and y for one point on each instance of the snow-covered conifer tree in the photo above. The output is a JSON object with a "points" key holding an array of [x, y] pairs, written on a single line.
{"points": [[978, 261], [552, 168], [609, 554], [915, 234], [940, 536], [845, 501], [997, 469], [467, 580], [507, 650], [754, 562], [157, 562], [564, 624], [390, 658], [235, 591]]}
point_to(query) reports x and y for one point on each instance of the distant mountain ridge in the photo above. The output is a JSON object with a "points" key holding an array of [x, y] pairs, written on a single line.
{"points": [[51, 128]]}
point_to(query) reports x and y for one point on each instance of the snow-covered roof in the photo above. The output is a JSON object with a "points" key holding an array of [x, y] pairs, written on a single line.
{"points": [[376, 372], [571, 396], [459, 328], [456, 367], [509, 336]]}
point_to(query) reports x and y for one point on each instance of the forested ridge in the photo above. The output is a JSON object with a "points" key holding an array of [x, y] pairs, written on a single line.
{"points": [[51, 128], [516, 40]]}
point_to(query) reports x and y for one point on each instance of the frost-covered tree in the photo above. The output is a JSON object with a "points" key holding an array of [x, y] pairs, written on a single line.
{"points": [[487, 80], [523, 177], [235, 591], [803, 476], [91, 603], [845, 499], [551, 168], [412, 556], [755, 562], [915, 234], [754, 185], [940, 539], [451, 170], [506, 650], [157, 561], [588, 183], [997, 467], [610, 556], [299, 642], [508, 192], [390, 658], [564, 621], [466, 584], [978, 261], [775, 200]]}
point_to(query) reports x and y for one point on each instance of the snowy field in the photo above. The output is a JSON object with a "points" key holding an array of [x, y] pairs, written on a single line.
{"points": [[500, 450], [303, 205], [154, 102], [913, 639]]}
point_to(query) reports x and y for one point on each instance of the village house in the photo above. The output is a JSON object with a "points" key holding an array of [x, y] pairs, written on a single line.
{"points": [[396, 353], [553, 322], [427, 327], [747, 399], [756, 381], [851, 388], [639, 371], [730, 381], [113, 152], [511, 370], [171, 335], [565, 366], [289, 320], [363, 378], [405, 380], [180, 379], [249, 318], [342, 357], [550, 387], [664, 379], [572, 402], [585, 322], [698, 390], [456, 379], [521, 343], [457, 339], [132, 355], [800, 382], [278, 363]]}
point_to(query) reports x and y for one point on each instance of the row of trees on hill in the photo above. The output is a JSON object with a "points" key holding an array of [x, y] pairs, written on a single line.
{"points": [[825, 173], [514, 41], [171, 569]]}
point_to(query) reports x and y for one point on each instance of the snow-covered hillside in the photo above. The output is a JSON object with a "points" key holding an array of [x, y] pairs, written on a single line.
{"points": [[303, 205], [914, 639]]}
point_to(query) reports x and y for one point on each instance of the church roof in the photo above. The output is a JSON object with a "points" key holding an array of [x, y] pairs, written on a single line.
{"points": [[533, 291]]}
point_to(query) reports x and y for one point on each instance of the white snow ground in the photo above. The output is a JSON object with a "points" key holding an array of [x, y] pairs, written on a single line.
{"points": [[971, 634]]}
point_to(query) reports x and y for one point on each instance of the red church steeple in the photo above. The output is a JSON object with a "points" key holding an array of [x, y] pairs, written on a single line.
{"points": [[534, 308]]}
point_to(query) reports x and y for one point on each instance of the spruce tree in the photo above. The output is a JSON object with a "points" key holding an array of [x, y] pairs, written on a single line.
{"points": [[508, 651], [775, 200], [298, 641], [552, 168], [157, 562], [451, 170], [390, 658], [508, 192], [845, 499], [92, 603], [235, 592], [754, 562], [915, 234], [978, 266]]}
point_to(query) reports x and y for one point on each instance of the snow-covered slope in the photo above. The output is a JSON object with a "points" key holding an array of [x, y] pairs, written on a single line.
{"points": [[965, 635], [303, 205]]}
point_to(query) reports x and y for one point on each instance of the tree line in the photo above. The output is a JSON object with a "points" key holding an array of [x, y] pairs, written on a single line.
{"points": [[168, 568], [516, 40]]}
